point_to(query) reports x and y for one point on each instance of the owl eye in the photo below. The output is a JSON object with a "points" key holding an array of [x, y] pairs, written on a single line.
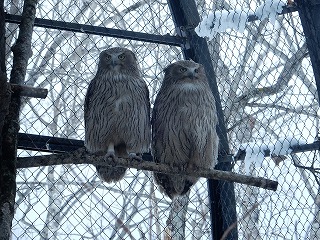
{"points": [[122, 56], [182, 69], [108, 57], [196, 70]]}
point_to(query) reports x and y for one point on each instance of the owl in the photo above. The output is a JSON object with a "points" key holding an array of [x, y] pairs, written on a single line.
{"points": [[117, 111], [184, 123]]}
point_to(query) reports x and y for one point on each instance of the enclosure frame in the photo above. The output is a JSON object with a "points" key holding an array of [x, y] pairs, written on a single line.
{"points": [[186, 18]]}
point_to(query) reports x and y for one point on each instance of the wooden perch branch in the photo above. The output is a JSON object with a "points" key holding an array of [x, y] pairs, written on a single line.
{"points": [[28, 91], [80, 156]]}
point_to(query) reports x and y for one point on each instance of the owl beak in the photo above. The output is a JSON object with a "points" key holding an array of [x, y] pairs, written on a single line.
{"points": [[114, 61], [191, 74]]}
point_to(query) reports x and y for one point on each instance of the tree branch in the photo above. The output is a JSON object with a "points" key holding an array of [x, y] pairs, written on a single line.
{"points": [[289, 69], [299, 110], [245, 215], [28, 91], [80, 156]]}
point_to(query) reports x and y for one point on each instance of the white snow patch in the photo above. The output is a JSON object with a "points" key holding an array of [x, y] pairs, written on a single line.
{"points": [[254, 154], [270, 9], [222, 20], [255, 150], [282, 145]]}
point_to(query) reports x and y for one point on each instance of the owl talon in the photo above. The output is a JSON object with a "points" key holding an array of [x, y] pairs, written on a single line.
{"points": [[110, 157], [110, 154], [135, 156]]}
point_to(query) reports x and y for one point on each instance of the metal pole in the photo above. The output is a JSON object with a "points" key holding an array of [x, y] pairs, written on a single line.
{"points": [[221, 193], [309, 15]]}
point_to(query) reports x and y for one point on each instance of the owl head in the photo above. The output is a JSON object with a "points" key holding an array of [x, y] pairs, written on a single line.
{"points": [[118, 60], [184, 71]]}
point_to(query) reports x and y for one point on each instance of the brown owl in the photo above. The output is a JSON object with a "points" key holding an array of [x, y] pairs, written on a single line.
{"points": [[184, 123], [117, 111]]}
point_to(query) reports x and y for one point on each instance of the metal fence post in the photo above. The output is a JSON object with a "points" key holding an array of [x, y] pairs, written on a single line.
{"points": [[309, 15], [221, 193]]}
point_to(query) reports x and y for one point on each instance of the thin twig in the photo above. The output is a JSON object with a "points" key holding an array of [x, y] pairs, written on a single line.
{"points": [[234, 225]]}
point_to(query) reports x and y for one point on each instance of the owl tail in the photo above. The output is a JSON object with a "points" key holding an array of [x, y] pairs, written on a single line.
{"points": [[113, 174], [181, 185], [173, 185], [110, 174], [121, 150], [178, 183]]}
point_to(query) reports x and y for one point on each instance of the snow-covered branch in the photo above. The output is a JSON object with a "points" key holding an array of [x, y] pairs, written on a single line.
{"points": [[221, 20], [255, 152]]}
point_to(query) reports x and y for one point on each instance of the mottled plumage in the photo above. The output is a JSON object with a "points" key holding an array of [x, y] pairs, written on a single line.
{"points": [[184, 126], [117, 111]]}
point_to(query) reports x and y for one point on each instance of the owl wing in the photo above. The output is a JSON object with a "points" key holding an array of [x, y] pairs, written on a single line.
{"points": [[148, 102], [87, 99], [158, 121], [153, 113], [154, 120], [154, 127], [142, 133]]}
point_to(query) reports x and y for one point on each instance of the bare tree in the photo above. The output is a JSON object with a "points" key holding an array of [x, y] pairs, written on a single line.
{"points": [[5, 199], [10, 126]]}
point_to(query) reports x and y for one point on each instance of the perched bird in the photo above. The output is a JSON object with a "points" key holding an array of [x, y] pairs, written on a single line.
{"points": [[184, 123], [117, 111]]}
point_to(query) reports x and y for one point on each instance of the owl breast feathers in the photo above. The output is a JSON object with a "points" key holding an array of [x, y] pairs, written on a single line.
{"points": [[184, 123], [117, 110]]}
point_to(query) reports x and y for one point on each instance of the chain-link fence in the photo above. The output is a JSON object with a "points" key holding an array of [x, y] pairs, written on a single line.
{"points": [[269, 100]]}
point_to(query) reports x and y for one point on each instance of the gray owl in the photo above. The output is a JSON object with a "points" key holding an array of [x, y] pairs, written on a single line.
{"points": [[117, 111], [184, 123]]}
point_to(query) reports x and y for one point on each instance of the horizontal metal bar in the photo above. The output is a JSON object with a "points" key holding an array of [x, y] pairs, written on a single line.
{"points": [[241, 154], [101, 31], [41, 143], [47, 144], [117, 33], [57, 145]]}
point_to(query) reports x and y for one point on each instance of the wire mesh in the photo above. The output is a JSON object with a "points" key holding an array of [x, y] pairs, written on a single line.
{"points": [[270, 101], [267, 91]]}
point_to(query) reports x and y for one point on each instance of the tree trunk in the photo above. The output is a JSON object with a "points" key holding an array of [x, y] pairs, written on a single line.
{"points": [[6, 206], [10, 127], [176, 222], [315, 226]]}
